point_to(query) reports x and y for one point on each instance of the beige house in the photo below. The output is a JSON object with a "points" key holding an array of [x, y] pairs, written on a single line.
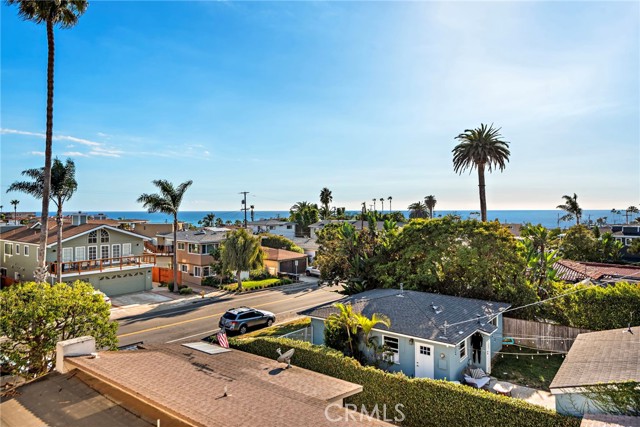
{"points": [[111, 259], [283, 262]]}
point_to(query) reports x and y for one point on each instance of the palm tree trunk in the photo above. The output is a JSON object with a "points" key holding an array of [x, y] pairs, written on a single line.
{"points": [[175, 253], [44, 217], [238, 276], [483, 196], [59, 244]]}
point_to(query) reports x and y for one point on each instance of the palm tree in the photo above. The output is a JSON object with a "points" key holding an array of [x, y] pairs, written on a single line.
{"points": [[241, 252], [481, 148], [389, 199], [630, 209], [15, 203], [326, 198], [344, 319], [64, 13], [571, 207], [208, 220], [417, 210], [374, 204], [304, 214], [219, 222], [365, 325], [63, 185], [430, 203], [167, 202]]}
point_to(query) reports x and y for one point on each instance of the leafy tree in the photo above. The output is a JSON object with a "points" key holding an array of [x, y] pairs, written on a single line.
{"points": [[609, 249], [65, 14], [15, 203], [325, 199], [63, 185], [168, 202], [280, 242], [304, 214], [208, 220], [481, 148], [579, 244], [418, 210], [634, 248], [540, 255], [571, 207], [219, 222], [430, 203], [630, 210], [241, 252], [35, 316]]}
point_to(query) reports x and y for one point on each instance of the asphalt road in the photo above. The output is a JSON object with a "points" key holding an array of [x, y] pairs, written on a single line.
{"points": [[199, 319]]}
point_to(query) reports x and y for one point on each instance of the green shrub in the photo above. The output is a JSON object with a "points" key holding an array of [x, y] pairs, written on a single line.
{"points": [[260, 274], [170, 286], [426, 402], [286, 281], [210, 281], [185, 290]]}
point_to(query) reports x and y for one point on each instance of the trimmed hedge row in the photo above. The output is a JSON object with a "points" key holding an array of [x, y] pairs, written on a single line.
{"points": [[426, 402], [257, 284]]}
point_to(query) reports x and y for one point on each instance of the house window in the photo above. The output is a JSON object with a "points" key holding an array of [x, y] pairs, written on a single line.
{"points": [[392, 353], [494, 321], [126, 249], [104, 251], [183, 268], [288, 227], [93, 237], [17, 249], [194, 248], [67, 254], [104, 236], [462, 347], [8, 249], [26, 251], [197, 271], [206, 271], [181, 246], [93, 252], [425, 350], [80, 253], [115, 251]]}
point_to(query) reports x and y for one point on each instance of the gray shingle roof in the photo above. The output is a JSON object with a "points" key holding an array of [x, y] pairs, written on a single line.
{"points": [[601, 357], [198, 236], [413, 314]]}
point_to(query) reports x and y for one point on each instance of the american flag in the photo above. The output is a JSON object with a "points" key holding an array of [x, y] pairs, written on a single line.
{"points": [[222, 338]]}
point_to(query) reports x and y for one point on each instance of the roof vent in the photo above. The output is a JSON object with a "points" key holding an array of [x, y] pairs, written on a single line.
{"points": [[435, 308]]}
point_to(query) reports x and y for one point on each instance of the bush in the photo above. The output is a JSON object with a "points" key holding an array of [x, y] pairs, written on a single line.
{"points": [[170, 286], [426, 402], [210, 281], [185, 290], [260, 274]]}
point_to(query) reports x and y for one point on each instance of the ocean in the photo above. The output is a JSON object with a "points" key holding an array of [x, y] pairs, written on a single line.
{"points": [[548, 218]]}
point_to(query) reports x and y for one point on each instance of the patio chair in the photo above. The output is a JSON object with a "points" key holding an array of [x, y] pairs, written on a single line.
{"points": [[476, 377]]}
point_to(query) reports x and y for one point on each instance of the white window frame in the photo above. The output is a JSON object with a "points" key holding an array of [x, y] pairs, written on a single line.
{"points": [[462, 348], [102, 247], [494, 321], [8, 249], [206, 271], [113, 251], [197, 271], [95, 252], [26, 250], [17, 249], [67, 255], [197, 247], [184, 268], [104, 236], [126, 249], [181, 246], [92, 237], [393, 355], [80, 253]]}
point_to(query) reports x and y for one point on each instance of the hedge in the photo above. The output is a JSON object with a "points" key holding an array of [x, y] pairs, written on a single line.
{"points": [[258, 284], [426, 402]]}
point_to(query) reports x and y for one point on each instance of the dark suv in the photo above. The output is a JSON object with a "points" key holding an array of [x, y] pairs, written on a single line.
{"points": [[243, 318]]}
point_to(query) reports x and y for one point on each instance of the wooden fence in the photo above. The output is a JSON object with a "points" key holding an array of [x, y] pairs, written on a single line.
{"points": [[541, 336], [164, 275]]}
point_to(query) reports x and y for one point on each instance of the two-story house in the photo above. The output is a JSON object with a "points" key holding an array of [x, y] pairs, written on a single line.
{"points": [[111, 259], [274, 226]]}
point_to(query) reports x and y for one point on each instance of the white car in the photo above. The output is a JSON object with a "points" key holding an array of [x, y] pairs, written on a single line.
{"points": [[104, 297], [312, 271]]}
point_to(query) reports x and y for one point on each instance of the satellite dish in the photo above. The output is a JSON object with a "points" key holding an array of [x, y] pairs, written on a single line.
{"points": [[285, 357]]}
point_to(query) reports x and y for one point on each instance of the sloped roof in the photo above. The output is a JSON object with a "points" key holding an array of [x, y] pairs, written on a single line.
{"points": [[267, 222], [412, 313], [198, 236], [574, 271], [601, 357], [31, 235], [272, 254]]}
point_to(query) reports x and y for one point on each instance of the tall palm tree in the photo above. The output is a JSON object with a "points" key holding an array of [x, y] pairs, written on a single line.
{"points": [[241, 252], [481, 148], [326, 198], [208, 220], [630, 209], [304, 214], [374, 204], [15, 203], [389, 199], [382, 204], [63, 185], [65, 14], [571, 207], [417, 210], [167, 202], [430, 203]]}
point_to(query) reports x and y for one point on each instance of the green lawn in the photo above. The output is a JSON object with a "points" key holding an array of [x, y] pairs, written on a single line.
{"points": [[278, 330], [253, 284], [523, 370]]}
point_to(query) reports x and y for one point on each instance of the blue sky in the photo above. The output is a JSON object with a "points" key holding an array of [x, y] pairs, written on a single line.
{"points": [[284, 98]]}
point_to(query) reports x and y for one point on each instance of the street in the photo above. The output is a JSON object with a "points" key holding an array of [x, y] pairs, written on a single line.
{"points": [[199, 318]]}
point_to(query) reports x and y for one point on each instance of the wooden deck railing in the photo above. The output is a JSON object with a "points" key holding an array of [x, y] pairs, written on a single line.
{"points": [[103, 264], [159, 249]]}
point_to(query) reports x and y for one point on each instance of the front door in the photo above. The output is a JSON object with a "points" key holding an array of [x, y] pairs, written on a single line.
{"points": [[424, 360]]}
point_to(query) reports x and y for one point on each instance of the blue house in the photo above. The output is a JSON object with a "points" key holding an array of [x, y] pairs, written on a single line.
{"points": [[431, 335]]}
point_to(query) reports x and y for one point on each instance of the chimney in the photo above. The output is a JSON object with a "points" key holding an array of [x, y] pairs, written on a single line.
{"points": [[81, 346], [78, 218]]}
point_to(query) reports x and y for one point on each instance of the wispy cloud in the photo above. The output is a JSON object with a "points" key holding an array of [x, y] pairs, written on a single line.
{"points": [[37, 153], [96, 148], [74, 154]]}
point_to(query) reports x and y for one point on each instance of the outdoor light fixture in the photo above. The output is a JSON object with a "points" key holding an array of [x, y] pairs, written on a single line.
{"points": [[411, 341], [442, 356]]}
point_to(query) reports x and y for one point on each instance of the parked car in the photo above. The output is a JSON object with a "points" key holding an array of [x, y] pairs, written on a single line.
{"points": [[312, 271], [244, 318], [104, 296]]}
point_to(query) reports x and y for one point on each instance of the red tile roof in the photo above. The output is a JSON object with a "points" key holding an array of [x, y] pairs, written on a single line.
{"points": [[281, 254], [574, 271]]}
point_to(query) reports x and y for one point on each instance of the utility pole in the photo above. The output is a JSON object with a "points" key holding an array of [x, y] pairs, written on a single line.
{"points": [[244, 206]]}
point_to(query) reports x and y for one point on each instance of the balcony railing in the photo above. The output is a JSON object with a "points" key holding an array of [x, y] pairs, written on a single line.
{"points": [[159, 249], [103, 264]]}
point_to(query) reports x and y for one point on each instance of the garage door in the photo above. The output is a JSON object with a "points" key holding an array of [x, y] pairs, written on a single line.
{"points": [[123, 282]]}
